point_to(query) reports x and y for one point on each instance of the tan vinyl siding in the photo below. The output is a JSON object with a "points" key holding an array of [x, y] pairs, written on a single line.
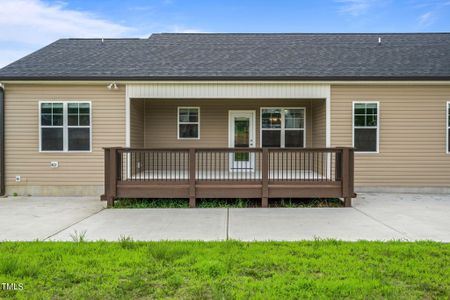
{"points": [[412, 134], [318, 119], [137, 113], [161, 120], [22, 135]]}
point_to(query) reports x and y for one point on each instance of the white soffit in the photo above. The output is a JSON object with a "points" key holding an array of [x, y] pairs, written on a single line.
{"points": [[221, 90]]}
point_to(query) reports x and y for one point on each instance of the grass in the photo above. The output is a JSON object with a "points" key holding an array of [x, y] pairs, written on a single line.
{"points": [[226, 270], [225, 203]]}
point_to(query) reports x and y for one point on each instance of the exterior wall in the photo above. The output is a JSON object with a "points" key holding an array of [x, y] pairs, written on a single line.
{"points": [[318, 119], [412, 145], [137, 113], [161, 120], [78, 173]]}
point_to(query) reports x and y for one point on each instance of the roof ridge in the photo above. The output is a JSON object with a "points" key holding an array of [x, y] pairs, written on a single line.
{"points": [[300, 33]]}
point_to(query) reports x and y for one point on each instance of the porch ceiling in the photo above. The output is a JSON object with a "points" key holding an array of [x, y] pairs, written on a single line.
{"points": [[233, 90]]}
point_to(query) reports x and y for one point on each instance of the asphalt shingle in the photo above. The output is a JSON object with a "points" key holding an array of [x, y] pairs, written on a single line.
{"points": [[424, 56]]}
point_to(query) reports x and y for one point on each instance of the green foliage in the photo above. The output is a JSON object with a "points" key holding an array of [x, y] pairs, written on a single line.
{"points": [[322, 269], [78, 237], [225, 203]]}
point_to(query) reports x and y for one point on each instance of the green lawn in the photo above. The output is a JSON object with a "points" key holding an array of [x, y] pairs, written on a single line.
{"points": [[226, 270]]}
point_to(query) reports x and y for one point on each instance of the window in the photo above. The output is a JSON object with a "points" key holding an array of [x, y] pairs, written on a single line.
{"points": [[448, 127], [65, 126], [365, 126], [283, 127], [188, 123]]}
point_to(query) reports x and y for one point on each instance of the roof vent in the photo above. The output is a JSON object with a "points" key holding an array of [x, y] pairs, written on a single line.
{"points": [[379, 40]]}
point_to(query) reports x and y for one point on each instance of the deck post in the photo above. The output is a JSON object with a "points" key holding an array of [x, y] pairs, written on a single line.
{"points": [[112, 182], [347, 175], [265, 178], [106, 174], [192, 164]]}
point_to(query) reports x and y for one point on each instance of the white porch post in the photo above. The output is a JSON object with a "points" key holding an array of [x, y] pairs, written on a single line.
{"points": [[328, 129], [127, 118], [127, 127]]}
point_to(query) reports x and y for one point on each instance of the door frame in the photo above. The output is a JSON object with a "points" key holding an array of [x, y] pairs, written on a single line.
{"points": [[252, 137]]}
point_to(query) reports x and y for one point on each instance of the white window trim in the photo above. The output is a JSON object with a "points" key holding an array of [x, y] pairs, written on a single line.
{"points": [[65, 127], [178, 122], [370, 127], [447, 126], [282, 129]]}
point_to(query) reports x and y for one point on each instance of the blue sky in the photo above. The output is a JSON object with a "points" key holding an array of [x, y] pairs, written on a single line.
{"points": [[27, 25]]}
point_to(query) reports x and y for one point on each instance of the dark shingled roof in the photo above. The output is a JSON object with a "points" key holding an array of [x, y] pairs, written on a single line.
{"points": [[413, 56]]}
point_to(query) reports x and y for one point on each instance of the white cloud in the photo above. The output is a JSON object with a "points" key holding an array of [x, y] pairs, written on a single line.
{"points": [[8, 56], [355, 7], [27, 25], [426, 18], [435, 11], [36, 22]]}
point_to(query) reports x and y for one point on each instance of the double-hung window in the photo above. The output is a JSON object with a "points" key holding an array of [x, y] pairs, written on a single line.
{"points": [[365, 126], [283, 127], [65, 126], [188, 123]]}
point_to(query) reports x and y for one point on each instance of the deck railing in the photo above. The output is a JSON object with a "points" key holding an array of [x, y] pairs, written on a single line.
{"points": [[229, 173]]}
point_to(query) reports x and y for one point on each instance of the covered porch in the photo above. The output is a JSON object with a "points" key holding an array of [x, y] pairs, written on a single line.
{"points": [[210, 140]]}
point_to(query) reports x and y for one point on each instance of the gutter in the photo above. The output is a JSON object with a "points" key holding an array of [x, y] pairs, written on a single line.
{"points": [[2, 140]]}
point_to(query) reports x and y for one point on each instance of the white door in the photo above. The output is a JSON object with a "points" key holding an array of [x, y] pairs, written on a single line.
{"points": [[241, 127]]}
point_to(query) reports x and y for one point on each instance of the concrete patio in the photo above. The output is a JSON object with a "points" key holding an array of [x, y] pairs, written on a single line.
{"points": [[384, 217]]}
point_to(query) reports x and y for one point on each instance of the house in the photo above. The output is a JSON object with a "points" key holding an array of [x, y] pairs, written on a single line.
{"points": [[232, 115]]}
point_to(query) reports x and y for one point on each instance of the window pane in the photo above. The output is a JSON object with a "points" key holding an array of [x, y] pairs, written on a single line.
{"points": [[371, 108], [57, 108], [188, 130], [193, 115], [366, 139], [84, 120], [52, 139], [79, 139], [371, 120], [72, 108], [184, 115], [294, 113], [360, 121], [46, 108], [271, 138], [73, 120], [57, 119], [84, 108], [46, 119], [294, 123], [293, 138], [360, 108], [271, 118]]}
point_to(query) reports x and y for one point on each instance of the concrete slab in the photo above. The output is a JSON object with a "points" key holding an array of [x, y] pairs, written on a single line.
{"points": [[417, 216], [373, 217], [31, 218], [152, 225], [291, 224]]}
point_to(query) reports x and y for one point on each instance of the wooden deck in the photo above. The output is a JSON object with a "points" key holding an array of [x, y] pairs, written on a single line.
{"points": [[229, 173]]}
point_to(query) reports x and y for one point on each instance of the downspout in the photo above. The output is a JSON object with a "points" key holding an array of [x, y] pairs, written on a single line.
{"points": [[2, 140]]}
